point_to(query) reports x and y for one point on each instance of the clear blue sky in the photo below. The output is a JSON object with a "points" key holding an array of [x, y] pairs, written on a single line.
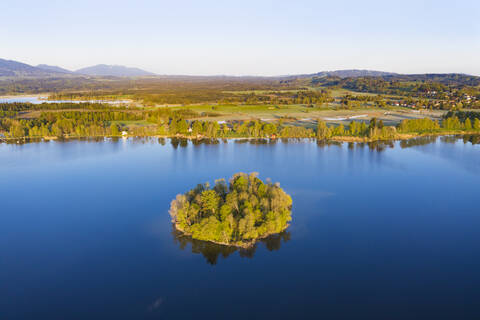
{"points": [[245, 37]]}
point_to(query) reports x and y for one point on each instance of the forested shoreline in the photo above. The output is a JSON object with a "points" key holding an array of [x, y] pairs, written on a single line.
{"points": [[53, 121]]}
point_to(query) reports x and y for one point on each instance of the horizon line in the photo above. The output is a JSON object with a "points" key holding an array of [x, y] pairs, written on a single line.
{"points": [[239, 75]]}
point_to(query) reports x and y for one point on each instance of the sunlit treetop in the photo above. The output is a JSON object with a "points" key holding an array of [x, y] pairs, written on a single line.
{"points": [[235, 213]]}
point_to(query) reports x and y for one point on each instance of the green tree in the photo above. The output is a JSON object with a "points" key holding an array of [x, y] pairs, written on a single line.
{"points": [[209, 201], [197, 128], [114, 130], [468, 124], [352, 128], [182, 127], [476, 124], [17, 130], [323, 132]]}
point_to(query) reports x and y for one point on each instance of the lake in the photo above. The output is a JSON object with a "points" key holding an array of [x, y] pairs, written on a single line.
{"points": [[40, 100], [379, 231]]}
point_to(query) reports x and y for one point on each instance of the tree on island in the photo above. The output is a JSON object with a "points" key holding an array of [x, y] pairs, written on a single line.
{"points": [[238, 213]]}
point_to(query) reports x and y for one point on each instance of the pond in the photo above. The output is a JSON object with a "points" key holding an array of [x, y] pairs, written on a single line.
{"points": [[40, 100], [379, 231]]}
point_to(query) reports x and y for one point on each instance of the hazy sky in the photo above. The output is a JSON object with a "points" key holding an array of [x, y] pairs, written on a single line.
{"points": [[245, 37]]}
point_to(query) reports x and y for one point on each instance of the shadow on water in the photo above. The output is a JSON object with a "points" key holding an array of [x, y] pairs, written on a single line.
{"points": [[212, 251]]}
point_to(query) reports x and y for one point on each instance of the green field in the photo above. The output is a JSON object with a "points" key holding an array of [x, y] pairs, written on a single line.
{"points": [[305, 116]]}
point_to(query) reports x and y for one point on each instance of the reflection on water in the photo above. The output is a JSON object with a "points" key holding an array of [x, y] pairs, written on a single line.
{"points": [[327, 143], [420, 141], [184, 142], [449, 139], [380, 145], [40, 100], [472, 138], [58, 140], [197, 142], [212, 251]]}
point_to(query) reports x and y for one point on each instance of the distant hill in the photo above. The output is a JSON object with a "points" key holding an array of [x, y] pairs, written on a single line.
{"points": [[10, 68], [350, 73], [15, 69], [114, 71], [445, 78], [46, 67], [354, 73], [457, 79]]}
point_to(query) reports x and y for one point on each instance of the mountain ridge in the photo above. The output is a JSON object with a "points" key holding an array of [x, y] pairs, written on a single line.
{"points": [[50, 68], [113, 70], [346, 73], [15, 69], [11, 68]]}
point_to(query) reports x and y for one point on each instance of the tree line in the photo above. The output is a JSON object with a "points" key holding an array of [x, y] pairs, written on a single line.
{"points": [[184, 122]]}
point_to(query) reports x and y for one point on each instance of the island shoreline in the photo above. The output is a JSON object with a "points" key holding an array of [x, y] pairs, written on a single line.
{"points": [[243, 245]]}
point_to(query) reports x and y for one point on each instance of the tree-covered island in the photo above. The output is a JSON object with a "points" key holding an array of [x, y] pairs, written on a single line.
{"points": [[238, 213]]}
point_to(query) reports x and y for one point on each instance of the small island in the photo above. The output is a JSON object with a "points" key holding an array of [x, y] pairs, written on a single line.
{"points": [[234, 214]]}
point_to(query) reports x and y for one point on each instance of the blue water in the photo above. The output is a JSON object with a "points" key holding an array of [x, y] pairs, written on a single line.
{"points": [[378, 232]]}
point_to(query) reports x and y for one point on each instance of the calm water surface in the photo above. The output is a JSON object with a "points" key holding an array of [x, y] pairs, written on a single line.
{"points": [[378, 232], [40, 100]]}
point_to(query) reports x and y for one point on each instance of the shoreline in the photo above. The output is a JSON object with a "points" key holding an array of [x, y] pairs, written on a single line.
{"points": [[398, 137], [241, 245], [46, 98], [35, 95]]}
